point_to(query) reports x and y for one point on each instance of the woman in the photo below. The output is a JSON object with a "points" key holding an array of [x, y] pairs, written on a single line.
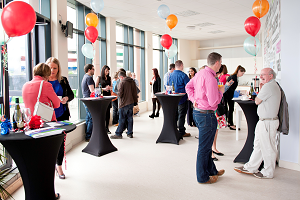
{"points": [[115, 101], [224, 74], [156, 87], [41, 72], [190, 120], [228, 95], [105, 81], [62, 89]]}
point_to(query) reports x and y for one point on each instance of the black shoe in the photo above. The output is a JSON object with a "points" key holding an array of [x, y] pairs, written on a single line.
{"points": [[215, 159], [116, 137], [219, 154], [157, 115], [108, 132], [130, 135], [151, 116], [87, 139], [57, 196]]}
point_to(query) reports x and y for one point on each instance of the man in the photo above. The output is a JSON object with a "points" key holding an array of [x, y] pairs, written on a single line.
{"points": [[167, 75], [133, 76], [88, 86], [265, 148], [203, 91], [127, 98], [179, 79]]}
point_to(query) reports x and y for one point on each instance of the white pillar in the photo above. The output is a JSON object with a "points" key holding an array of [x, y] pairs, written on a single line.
{"points": [[148, 66]]}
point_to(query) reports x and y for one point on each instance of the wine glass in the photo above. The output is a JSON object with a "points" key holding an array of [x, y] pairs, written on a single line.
{"points": [[26, 115]]}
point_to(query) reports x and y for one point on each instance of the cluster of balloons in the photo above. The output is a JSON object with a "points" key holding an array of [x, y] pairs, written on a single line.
{"points": [[18, 18], [166, 41], [252, 26], [91, 32]]}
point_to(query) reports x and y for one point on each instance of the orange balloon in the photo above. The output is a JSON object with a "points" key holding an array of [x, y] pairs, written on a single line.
{"points": [[171, 21], [91, 19], [260, 8]]}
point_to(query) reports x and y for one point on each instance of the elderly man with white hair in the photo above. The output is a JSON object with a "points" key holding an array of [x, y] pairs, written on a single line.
{"points": [[265, 148]]}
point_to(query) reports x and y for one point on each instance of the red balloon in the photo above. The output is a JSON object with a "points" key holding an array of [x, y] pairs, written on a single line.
{"points": [[91, 33], [252, 25], [18, 18], [166, 41]]}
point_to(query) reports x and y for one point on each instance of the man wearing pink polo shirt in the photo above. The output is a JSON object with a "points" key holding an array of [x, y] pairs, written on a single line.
{"points": [[203, 91]]}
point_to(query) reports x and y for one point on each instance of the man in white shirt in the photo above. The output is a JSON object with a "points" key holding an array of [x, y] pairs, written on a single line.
{"points": [[265, 148], [167, 75]]}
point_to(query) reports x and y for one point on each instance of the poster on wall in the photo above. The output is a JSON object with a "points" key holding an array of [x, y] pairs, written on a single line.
{"points": [[272, 40]]}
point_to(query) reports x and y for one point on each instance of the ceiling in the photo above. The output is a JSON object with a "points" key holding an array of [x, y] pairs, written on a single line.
{"points": [[209, 18]]}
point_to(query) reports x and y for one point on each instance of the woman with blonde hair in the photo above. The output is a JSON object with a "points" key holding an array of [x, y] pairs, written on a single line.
{"points": [[63, 90]]}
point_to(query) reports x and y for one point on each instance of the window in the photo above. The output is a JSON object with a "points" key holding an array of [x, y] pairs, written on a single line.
{"points": [[120, 56]]}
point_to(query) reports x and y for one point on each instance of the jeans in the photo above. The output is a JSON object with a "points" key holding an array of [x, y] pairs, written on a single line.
{"points": [[207, 126], [89, 123], [180, 115], [125, 112], [115, 112]]}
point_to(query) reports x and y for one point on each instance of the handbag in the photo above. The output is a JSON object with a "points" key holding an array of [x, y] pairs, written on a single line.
{"points": [[221, 110], [41, 109]]}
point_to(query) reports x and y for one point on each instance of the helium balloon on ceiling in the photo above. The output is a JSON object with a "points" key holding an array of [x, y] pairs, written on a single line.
{"points": [[252, 25], [88, 50], [97, 5], [166, 41], [171, 21], [163, 11]]}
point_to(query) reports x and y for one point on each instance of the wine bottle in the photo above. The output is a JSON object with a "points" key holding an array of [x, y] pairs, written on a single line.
{"points": [[251, 89], [173, 88], [18, 122]]}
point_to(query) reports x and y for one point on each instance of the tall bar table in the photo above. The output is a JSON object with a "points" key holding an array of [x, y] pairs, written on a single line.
{"points": [[36, 159], [250, 110], [99, 143], [169, 132]]}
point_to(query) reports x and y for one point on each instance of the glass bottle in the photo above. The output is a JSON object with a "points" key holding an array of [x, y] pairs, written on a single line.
{"points": [[17, 117], [173, 88]]}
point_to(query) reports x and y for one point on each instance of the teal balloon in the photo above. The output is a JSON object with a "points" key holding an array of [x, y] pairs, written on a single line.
{"points": [[88, 50], [97, 5], [252, 45], [171, 52], [163, 11]]}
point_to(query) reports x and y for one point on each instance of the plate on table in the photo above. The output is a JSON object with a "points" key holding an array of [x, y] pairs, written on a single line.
{"points": [[245, 99]]}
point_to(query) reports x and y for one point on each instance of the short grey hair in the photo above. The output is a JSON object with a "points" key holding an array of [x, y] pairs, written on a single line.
{"points": [[273, 73]]}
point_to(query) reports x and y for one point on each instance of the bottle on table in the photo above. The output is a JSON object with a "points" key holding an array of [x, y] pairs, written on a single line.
{"points": [[173, 88], [18, 122]]}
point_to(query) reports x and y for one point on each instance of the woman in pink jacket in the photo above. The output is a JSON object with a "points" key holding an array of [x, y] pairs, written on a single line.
{"points": [[30, 89]]}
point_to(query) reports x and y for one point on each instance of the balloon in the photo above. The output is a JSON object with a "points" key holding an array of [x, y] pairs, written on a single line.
{"points": [[252, 25], [252, 46], [97, 5], [171, 52], [166, 41], [163, 11], [88, 50], [260, 8], [171, 21], [91, 19], [18, 18], [91, 33]]}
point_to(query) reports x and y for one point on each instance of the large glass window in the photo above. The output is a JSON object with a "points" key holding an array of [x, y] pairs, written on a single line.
{"points": [[120, 56]]}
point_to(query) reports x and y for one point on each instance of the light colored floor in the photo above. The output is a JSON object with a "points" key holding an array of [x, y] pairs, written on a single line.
{"points": [[144, 170]]}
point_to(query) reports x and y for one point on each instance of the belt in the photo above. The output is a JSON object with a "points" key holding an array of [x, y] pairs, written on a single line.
{"points": [[263, 119], [204, 111]]}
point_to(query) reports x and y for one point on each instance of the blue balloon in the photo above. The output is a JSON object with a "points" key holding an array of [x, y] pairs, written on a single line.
{"points": [[88, 50], [163, 11], [97, 5], [171, 52], [252, 45]]}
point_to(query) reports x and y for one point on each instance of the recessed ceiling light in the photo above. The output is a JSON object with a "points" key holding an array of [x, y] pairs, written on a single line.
{"points": [[204, 24], [187, 13], [218, 31]]}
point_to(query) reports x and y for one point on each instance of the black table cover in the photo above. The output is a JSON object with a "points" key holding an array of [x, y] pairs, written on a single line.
{"points": [[36, 159], [99, 144], [169, 133], [250, 110]]}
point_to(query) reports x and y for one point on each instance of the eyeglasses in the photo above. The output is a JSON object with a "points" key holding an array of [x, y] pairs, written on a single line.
{"points": [[263, 74]]}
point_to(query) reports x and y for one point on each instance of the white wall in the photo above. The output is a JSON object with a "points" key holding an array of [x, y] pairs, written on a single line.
{"points": [[290, 62], [187, 52]]}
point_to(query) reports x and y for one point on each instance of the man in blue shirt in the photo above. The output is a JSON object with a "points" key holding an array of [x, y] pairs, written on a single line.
{"points": [[167, 75], [180, 79]]}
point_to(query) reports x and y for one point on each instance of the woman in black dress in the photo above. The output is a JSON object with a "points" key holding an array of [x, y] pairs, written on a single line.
{"points": [[156, 87], [105, 81], [190, 120], [228, 95]]}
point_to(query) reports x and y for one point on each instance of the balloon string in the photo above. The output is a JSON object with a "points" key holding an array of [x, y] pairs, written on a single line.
{"points": [[255, 68]]}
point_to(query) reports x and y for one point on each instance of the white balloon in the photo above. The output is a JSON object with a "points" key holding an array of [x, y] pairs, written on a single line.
{"points": [[172, 51], [97, 5], [88, 50]]}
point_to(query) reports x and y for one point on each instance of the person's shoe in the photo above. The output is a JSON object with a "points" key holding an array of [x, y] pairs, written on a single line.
{"points": [[215, 159], [116, 137], [116, 124], [242, 170], [221, 172], [219, 154], [151, 116], [137, 114], [196, 137], [212, 179], [57, 196], [187, 135], [108, 131], [63, 176], [87, 139], [130, 135], [157, 115], [259, 175]]}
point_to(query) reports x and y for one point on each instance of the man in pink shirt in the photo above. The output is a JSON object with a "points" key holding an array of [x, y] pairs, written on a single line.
{"points": [[203, 91]]}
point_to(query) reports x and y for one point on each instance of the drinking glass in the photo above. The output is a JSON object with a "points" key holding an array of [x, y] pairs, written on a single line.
{"points": [[97, 91], [220, 84], [26, 114]]}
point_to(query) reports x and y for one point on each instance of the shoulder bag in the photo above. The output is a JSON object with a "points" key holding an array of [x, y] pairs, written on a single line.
{"points": [[41, 109]]}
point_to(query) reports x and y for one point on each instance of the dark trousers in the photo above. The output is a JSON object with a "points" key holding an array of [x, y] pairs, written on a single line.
{"points": [[189, 115], [230, 112], [115, 112], [154, 100], [107, 118], [180, 116], [207, 126], [125, 112], [61, 152]]}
